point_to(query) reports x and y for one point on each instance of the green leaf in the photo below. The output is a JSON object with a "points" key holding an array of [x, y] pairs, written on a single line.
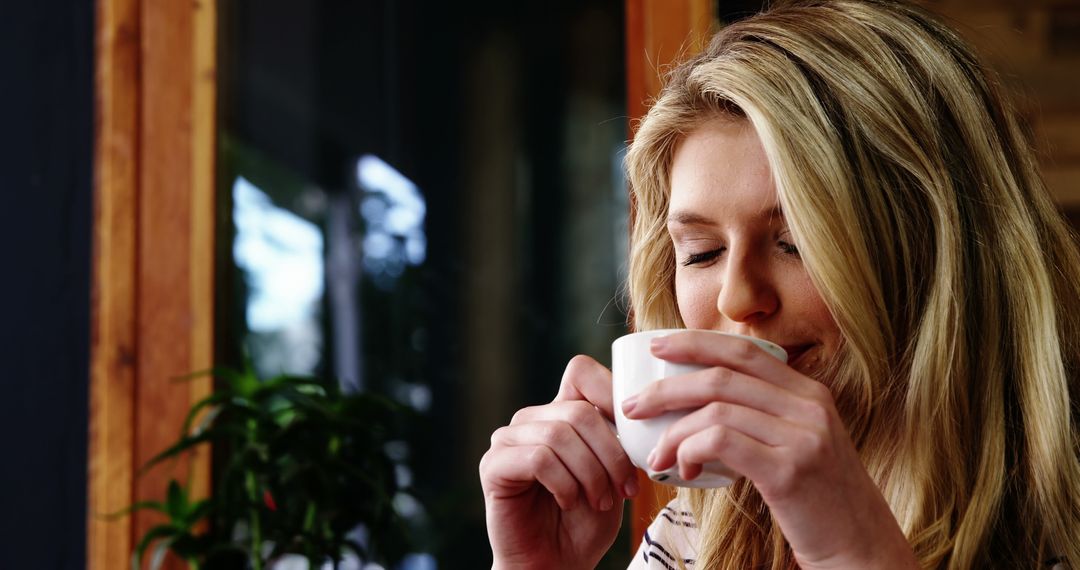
{"points": [[185, 443], [232, 374], [246, 384], [216, 433], [139, 506], [213, 399], [198, 511], [198, 374], [155, 533], [322, 453], [176, 501]]}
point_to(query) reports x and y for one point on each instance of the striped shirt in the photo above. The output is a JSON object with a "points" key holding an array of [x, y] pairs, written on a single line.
{"points": [[672, 537]]}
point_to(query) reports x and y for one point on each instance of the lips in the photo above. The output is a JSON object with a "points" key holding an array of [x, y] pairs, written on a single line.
{"points": [[794, 352]]}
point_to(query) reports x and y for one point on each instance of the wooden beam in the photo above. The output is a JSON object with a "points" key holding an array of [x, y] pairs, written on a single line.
{"points": [[203, 213], [163, 276], [113, 340], [176, 220], [659, 33], [154, 227]]}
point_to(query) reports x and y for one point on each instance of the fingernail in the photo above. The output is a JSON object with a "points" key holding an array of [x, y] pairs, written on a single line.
{"points": [[606, 503], [630, 487], [629, 404], [658, 343], [651, 458]]}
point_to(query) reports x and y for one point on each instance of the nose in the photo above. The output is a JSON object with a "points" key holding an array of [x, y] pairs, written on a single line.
{"points": [[747, 294]]}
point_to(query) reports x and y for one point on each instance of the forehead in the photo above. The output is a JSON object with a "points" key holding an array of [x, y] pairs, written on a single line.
{"points": [[719, 171]]}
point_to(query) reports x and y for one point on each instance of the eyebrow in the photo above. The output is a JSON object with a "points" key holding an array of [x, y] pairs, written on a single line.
{"points": [[690, 219], [687, 218]]}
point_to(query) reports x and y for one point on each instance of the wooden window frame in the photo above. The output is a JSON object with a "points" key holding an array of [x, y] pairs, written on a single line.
{"points": [[153, 262]]}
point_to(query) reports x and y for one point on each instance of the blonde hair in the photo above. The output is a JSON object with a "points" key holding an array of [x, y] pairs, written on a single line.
{"points": [[923, 220]]}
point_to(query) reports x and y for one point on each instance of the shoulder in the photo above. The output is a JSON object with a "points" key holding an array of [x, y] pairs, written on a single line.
{"points": [[669, 540]]}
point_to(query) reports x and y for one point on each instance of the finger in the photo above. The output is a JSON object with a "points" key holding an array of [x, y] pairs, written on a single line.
{"points": [[594, 431], [696, 389], [740, 452], [572, 452], [741, 355], [769, 430], [588, 380], [507, 472]]}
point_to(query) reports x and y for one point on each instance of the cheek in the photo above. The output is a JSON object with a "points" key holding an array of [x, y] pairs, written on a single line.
{"points": [[697, 302], [815, 312]]}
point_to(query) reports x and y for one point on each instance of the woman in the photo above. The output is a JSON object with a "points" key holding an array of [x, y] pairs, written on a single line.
{"points": [[843, 178]]}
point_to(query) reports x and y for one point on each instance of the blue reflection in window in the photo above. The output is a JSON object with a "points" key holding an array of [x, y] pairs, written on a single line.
{"points": [[393, 210], [281, 255]]}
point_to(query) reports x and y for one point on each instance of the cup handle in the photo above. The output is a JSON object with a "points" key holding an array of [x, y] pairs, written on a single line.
{"points": [[713, 468]]}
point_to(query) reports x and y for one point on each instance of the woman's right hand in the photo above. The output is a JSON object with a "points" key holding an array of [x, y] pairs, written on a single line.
{"points": [[554, 480]]}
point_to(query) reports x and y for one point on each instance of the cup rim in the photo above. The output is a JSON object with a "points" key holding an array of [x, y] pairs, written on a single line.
{"points": [[772, 345]]}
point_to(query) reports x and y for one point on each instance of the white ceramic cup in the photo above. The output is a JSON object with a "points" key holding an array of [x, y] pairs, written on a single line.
{"points": [[633, 367]]}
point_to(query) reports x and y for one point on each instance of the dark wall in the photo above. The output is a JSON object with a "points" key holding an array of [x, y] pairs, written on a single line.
{"points": [[46, 123]]}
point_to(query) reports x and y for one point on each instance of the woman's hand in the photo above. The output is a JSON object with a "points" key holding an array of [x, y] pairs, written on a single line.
{"points": [[554, 480], [781, 430]]}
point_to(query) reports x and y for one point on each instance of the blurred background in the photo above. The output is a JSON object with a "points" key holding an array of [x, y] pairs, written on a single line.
{"points": [[426, 202], [421, 199]]}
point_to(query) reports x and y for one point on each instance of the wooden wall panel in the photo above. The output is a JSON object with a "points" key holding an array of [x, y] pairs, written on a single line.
{"points": [[658, 34], [154, 255], [1033, 45]]}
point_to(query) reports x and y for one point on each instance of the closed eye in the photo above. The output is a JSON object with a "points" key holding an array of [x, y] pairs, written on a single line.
{"points": [[703, 257]]}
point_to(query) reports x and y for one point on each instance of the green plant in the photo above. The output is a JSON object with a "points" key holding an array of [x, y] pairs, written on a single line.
{"points": [[302, 464]]}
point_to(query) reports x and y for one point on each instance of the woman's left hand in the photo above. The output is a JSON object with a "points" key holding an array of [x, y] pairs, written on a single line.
{"points": [[780, 429]]}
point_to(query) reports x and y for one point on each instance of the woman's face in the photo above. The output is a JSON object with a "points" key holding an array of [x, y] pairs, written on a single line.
{"points": [[738, 268]]}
